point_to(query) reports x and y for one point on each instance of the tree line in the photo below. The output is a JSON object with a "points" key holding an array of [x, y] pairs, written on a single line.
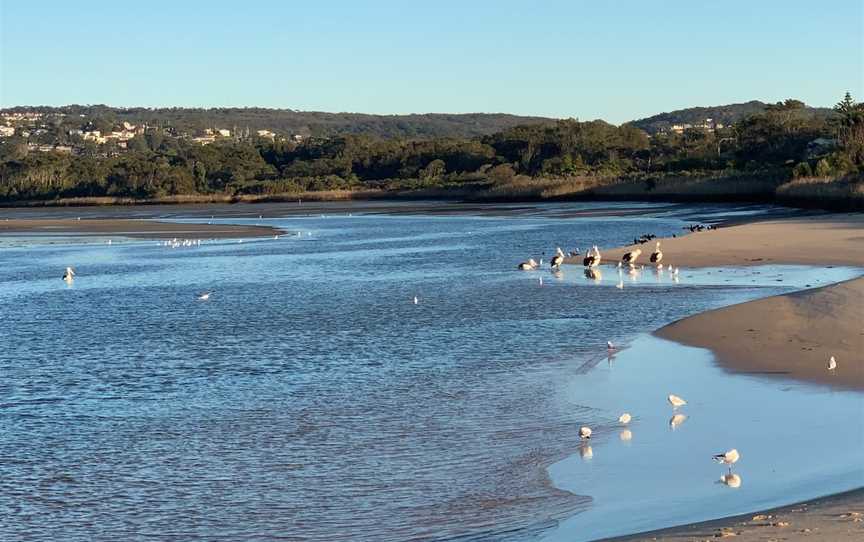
{"points": [[786, 137]]}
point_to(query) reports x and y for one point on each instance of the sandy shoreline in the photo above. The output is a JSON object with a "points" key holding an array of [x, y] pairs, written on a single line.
{"points": [[136, 229], [836, 517], [790, 335]]}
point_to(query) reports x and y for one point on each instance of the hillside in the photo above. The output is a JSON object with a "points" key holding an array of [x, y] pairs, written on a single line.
{"points": [[724, 114], [289, 121]]}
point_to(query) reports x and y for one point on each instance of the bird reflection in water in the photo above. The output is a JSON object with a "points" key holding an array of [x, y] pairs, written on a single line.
{"points": [[676, 421], [625, 435], [732, 480], [585, 452]]}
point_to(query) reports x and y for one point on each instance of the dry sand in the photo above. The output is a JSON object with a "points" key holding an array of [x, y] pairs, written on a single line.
{"points": [[791, 335], [140, 229], [838, 517]]}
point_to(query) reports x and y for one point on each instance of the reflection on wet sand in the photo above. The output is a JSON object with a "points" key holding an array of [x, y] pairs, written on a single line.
{"points": [[732, 480], [677, 420]]}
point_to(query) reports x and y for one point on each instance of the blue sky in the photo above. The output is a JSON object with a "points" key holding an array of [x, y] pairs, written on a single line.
{"points": [[614, 60]]}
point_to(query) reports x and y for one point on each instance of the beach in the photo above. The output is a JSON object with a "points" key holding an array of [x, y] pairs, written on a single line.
{"points": [[346, 254], [791, 335]]}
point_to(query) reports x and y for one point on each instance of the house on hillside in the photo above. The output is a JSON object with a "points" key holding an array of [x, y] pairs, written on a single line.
{"points": [[7, 131]]}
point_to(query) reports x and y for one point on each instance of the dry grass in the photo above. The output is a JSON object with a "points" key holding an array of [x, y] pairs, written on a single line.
{"points": [[845, 193], [324, 195]]}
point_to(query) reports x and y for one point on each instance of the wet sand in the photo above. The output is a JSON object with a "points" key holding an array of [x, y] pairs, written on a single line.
{"points": [[138, 229], [838, 517], [791, 335]]}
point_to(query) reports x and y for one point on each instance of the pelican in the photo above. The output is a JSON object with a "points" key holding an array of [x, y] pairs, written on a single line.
{"points": [[69, 275], [832, 364], [592, 259], [557, 259], [530, 265], [593, 274], [585, 432], [728, 458], [625, 418], [676, 401], [676, 420], [657, 255], [204, 296], [631, 256], [731, 480]]}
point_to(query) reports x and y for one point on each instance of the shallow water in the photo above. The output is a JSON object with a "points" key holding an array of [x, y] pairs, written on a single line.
{"points": [[311, 399]]}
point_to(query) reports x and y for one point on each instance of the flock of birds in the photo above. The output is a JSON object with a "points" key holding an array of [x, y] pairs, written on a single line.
{"points": [[591, 261]]}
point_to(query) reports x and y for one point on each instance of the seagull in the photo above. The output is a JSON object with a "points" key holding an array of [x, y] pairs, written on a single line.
{"points": [[610, 346], [676, 401], [585, 432], [832, 364], [204, 296], [416, 301], [69, 275], [625, 418], [728, 458]]}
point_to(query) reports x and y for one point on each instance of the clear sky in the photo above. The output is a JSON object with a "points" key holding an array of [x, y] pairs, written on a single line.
{"points": [[614, 60]]}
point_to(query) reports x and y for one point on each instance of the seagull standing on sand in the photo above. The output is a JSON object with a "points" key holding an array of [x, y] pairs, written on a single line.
{"points": [[728, 458], [625, 418], [832, 364], [557, 259], [69, 275], [657, 255], [585, 432], [676, 401]]}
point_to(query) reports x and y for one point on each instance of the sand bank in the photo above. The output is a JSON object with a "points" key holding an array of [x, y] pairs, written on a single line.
{"points": [[139, 229], [838, 517], [790, 335]]}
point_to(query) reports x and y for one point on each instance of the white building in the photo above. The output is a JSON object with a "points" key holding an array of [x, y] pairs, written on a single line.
{"points": [[223, 132], [7, 131]]}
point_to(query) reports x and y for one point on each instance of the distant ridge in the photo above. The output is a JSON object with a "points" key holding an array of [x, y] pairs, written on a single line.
{"points": [[414, 126], [725, 114]]}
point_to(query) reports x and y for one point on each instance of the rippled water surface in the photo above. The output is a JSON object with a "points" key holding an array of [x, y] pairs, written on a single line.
{"points": [[310, 398]]}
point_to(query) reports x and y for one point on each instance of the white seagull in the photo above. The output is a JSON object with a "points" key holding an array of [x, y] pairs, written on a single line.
{"points": [[204, 296], [69, 275], [832, 364], [625, 418], [610, 346], [585, 432], [676, 401], [416, 301], [728, 458]]}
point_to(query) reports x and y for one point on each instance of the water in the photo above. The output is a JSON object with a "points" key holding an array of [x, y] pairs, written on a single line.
{"points": [[311, 399]]}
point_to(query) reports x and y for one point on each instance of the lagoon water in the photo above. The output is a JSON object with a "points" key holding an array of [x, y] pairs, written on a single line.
{"points": [[310, 399]]}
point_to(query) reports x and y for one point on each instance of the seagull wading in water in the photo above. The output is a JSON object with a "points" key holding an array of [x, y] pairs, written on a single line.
{"points": [[624, 418], [728, 458], [204, 296], [676, 401], [585, 433], [69, 275]]}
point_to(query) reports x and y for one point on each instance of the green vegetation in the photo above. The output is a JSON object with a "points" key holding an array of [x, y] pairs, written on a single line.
{"points": [[768, 149]]}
